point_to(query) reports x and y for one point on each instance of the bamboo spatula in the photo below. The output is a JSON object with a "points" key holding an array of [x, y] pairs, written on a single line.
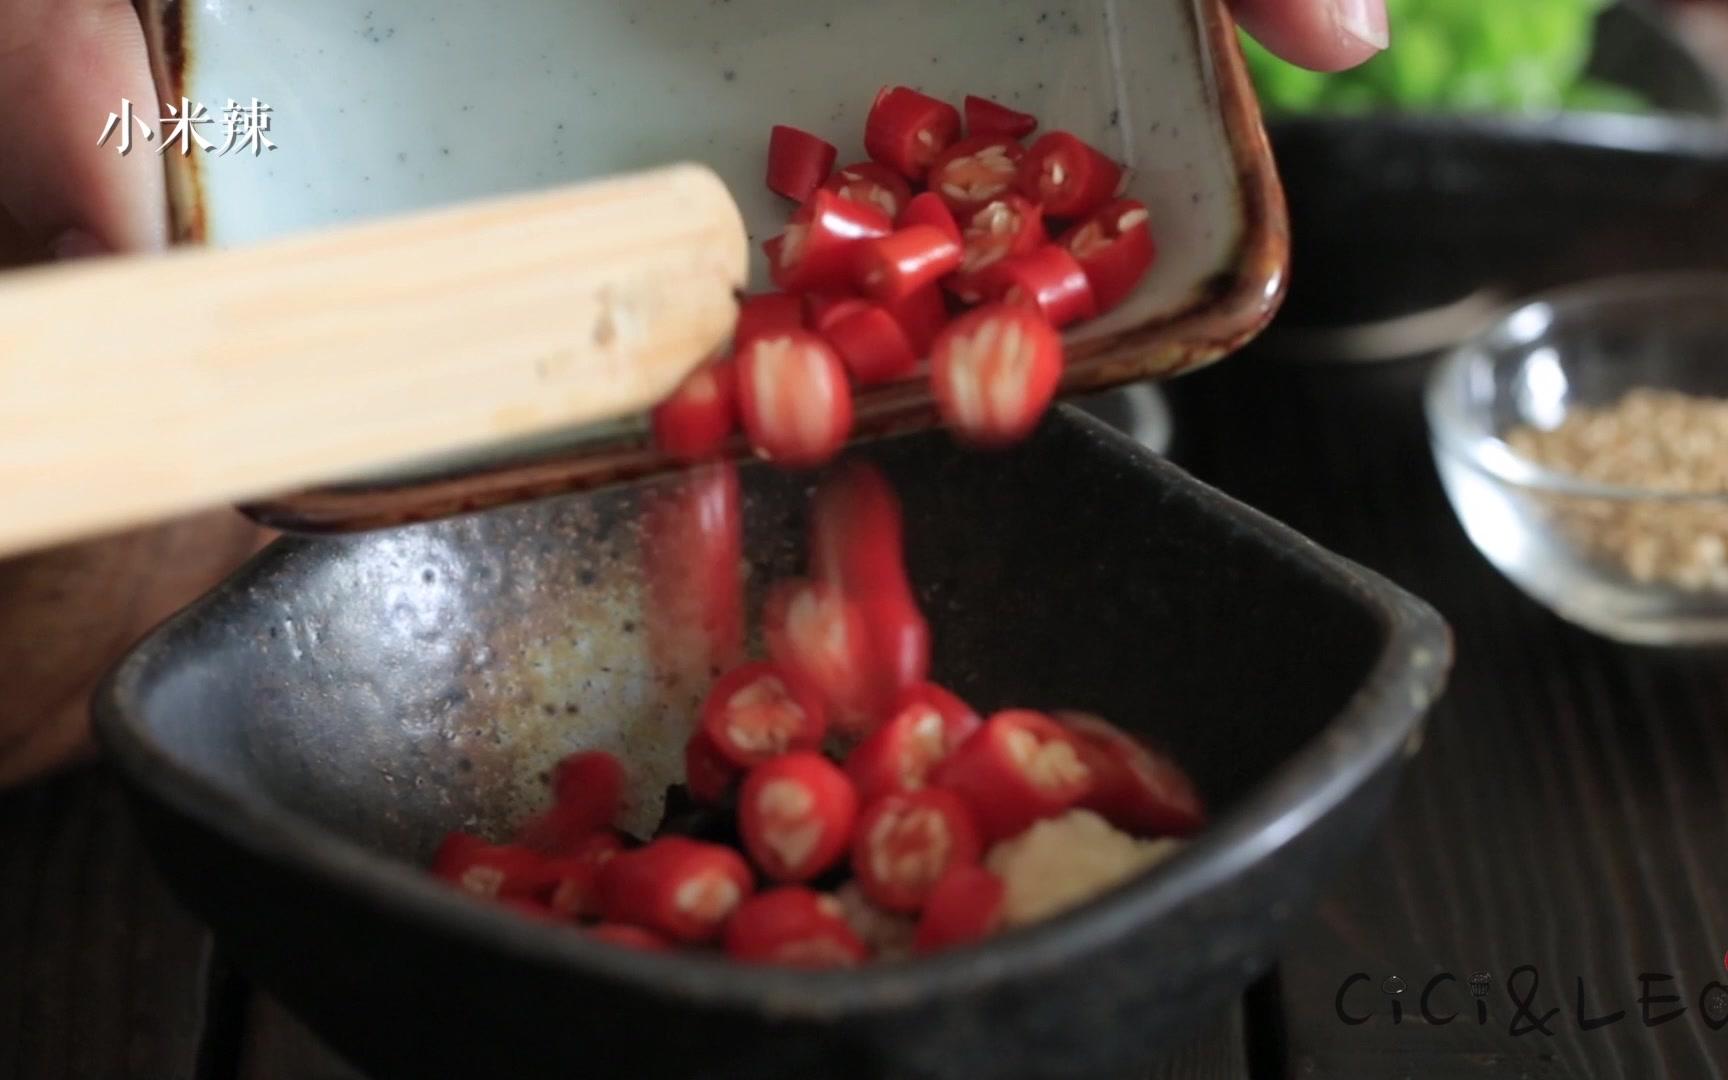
{"points": [[140, 387]]}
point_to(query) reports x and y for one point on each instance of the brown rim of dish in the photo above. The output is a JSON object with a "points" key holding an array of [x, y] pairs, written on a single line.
{"points": [[167, 31], [1228, 310]]}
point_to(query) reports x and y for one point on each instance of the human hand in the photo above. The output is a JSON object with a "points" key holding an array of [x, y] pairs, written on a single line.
{"points": [[68, 614], [1325, 35]]}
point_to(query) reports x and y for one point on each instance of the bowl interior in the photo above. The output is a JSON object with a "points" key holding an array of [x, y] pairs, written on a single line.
{"points": [[409, 104], [389, 687]]}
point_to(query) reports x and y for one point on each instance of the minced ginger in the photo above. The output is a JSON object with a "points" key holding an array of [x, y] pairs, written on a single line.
{"points": [[1064, 861]]}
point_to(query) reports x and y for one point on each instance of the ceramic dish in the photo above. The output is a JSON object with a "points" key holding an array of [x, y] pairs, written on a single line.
{"points": [[402, 104], [300, 740]]}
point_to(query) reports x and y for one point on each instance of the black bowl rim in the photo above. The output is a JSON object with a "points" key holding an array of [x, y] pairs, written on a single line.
{"points": [[1381, 722]]}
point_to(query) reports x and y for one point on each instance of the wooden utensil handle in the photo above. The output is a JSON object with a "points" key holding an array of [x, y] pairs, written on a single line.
{"points": [[140, 387]]}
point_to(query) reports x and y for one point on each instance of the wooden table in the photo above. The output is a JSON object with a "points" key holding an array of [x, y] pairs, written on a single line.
{"points": [[1569, 812]]}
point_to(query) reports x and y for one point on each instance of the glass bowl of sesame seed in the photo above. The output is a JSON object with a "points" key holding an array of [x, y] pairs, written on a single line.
{"points": [[1583, 442]]}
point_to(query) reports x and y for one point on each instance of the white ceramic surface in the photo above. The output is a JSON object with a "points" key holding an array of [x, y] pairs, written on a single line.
{"points": [[394, 105]]}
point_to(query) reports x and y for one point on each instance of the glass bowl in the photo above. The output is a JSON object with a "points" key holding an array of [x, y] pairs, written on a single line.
{"points": [[1636, 552]]}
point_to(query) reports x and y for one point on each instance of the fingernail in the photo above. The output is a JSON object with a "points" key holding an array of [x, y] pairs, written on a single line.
{"points": [[1364, 20], [76, 244]]}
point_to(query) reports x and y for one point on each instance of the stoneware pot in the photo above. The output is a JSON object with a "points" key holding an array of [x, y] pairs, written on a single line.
{"points": [[299, 741], [402, 104]]}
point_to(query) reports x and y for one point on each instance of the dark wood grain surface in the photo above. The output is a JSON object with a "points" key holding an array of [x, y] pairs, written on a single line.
{"points": [[1569, 813], [1569, 810]]}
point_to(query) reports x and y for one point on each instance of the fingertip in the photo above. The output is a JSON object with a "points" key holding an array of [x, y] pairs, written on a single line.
{"points": [[1322, 35]]}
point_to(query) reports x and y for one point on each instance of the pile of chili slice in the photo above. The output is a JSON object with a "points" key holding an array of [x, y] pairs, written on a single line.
{"points": [[828, 782], [960, 257]]}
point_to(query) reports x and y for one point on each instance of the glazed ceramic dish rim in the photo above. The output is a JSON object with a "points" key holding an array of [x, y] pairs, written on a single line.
{"points": [[1230, 306], [1462, 433], [1381, 720]]}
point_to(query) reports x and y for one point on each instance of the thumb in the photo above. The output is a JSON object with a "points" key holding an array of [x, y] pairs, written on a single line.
{"points": [[67, 64], [1325, 35]]}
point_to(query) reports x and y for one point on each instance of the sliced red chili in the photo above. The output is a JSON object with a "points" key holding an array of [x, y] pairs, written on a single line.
{"points": [[922, 315], [819, 637], [906, 841], [1019, 767], [927, 208], [893, 267], [756, 712], [822, 309], [816, 250], [872, 344], [680, 888], [906, 130], [494, 871], [587, 791], [796, 814], [1115, 248], [927, 724], [994, 372], [794, 398], [1003, 228], [694, 423], [855, 540], [795, 927], [1136, 789], [764, 313], [627, 936], [693, 560], [964, 907], [986, 117], [873, 185], [575, 891], [798, 162], [1051, 281], [1066, 176], [708, 774], [976, 170]]}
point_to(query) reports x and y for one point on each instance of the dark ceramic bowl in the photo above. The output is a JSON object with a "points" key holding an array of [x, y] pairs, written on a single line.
{"points": [[298, 740]]}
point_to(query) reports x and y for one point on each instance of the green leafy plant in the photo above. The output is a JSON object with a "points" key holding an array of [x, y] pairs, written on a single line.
{"points": [[1522, 56]]}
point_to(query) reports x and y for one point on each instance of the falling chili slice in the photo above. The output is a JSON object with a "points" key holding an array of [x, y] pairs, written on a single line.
{"points": [[1051, 281], [819, 637], [926, 726], [893, 267], [1136, 788], [794, 398], [871, 343], [906, 130], [965, 907], [764, 313], [798, 162], [856, 542], [575, 891], [816, 249], [682, 889], [694, 423], [1019, 767], [986, 117], [994, 372], [795, 927], [976, 170], [873, 185], [922, 315], [1115, 248], [906, 841], [756, 712], [1067, 177], [796, 814], [693, 561]]}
